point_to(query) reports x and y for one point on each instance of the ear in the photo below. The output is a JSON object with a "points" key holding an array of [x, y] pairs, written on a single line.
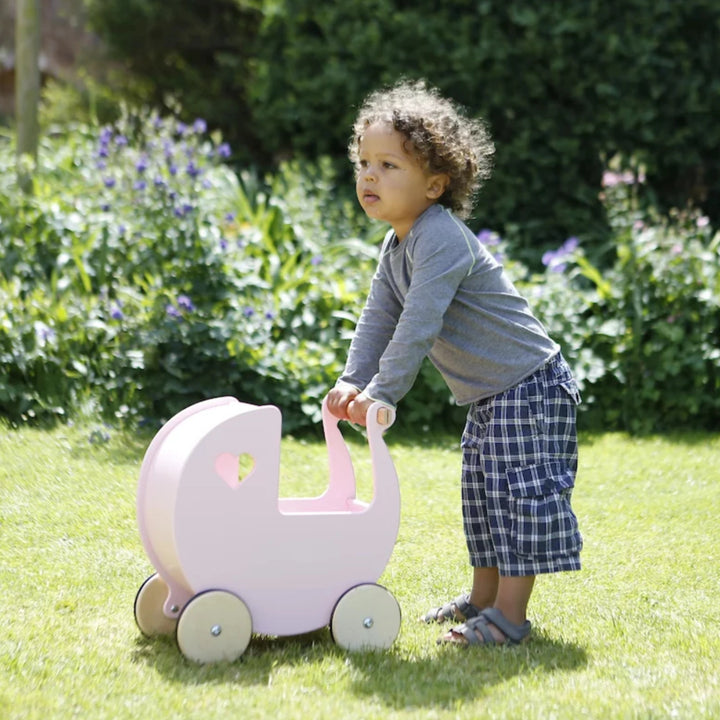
{"points": [[436, 186]]}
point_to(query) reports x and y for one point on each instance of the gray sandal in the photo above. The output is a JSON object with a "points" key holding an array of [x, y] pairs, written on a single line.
{"points": [[514, 634], [461, 604]]}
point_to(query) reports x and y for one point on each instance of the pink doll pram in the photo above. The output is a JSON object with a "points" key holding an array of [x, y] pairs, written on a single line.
{"points": [[233, 559]]}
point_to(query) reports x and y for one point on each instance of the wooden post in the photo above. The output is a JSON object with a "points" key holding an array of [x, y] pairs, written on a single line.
{"points": [[27, 87]]}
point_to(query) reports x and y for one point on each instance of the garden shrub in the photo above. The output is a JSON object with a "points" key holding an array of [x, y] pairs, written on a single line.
{"points": [[562, 85], [144, 274], [642, 331], [178, 51]]}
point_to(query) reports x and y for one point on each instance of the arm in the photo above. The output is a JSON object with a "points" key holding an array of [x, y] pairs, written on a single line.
{"points": [[438, 267], [373, 332]]}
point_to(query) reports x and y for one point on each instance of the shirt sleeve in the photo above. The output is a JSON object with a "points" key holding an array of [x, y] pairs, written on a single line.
{"points": [[437, 267], [373, 331]]}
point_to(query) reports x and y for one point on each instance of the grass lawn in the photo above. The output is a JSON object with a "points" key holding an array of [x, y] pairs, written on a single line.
{"points": [[633, 635]]}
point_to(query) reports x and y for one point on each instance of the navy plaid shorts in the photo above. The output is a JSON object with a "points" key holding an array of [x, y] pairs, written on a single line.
{"points": [[518, 473]]}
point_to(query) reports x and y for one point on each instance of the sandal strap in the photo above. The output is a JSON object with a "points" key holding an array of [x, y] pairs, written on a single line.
{"points": [[514, 633], [468, 630], [462, 603], [447, 611]]}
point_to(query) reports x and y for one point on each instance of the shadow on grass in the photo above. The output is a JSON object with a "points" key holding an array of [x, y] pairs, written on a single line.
{"points": [[457, 674], [254, 667], [440, 679]]}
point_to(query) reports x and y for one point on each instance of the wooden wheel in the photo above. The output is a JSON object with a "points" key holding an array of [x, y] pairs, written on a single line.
{"points": [[214, 626], [149, 602], [366, 617]]}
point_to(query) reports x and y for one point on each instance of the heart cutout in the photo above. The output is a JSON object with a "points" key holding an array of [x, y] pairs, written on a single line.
{"points": [[234, 469]]}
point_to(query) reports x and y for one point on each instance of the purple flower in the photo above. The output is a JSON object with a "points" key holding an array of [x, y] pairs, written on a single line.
{"points": [[173, 169], [172, 311], [180, 128], [192, 170], [570, 245], [488, 237], [229, 217], [121, 141], [555, 260], [182, 210], [43, 333], [185, 303], [224, 151], [139, 185], [316, 260], [142, 164], [116, 313], [223, 244], [106, 135], [248, 312], [109, 182], [199, 126]]}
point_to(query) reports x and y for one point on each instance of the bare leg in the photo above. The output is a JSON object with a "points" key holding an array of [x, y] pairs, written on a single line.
{"points": [[513, 597], [485, 587]]}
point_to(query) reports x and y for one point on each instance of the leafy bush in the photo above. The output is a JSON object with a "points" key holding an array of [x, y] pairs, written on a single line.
{"points": [[561, 83], [198, 54], [642, 331], [143, 276]]}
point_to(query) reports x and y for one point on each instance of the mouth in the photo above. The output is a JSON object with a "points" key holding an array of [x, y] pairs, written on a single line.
{"points": [[370, 197]]}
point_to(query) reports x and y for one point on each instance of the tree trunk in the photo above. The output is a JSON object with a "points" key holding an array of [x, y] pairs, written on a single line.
{"points": [[27, 87]]}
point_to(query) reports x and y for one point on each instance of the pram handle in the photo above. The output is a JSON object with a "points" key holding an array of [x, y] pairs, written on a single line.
{"points": [[342, 474]]}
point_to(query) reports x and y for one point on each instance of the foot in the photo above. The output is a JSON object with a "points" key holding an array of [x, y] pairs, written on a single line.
{"points": [[489, 627], [459, 609]]}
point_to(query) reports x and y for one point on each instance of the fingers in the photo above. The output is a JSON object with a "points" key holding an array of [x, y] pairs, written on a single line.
{"points": [[338, 400], [355, 414], [357, 409]]}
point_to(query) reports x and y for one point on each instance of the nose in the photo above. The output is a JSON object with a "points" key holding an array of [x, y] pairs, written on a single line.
{"points": [[367, 173]]}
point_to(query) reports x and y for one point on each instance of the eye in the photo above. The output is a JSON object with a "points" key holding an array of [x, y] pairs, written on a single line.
{"points": [[389, 165]]}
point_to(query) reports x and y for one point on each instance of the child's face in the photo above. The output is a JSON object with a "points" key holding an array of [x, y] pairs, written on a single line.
{"points": [[391, 183]]}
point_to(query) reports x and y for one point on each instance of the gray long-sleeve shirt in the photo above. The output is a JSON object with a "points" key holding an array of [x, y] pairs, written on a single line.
{"points": [[440, 293]]}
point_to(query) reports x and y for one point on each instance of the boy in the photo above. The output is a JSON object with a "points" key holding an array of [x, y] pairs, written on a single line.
{"points": [[438, 292]]}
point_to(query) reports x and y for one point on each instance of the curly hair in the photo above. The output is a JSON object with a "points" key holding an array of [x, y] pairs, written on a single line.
{"points": [[443, 138]]}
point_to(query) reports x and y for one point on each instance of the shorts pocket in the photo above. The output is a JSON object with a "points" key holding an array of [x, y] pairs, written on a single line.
{"points": [[571, 388], [542, 522]]}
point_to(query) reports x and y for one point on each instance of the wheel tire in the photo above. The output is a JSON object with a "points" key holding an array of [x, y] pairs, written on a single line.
{"points": [[366, 617], [214, 626], [149, 603]]}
